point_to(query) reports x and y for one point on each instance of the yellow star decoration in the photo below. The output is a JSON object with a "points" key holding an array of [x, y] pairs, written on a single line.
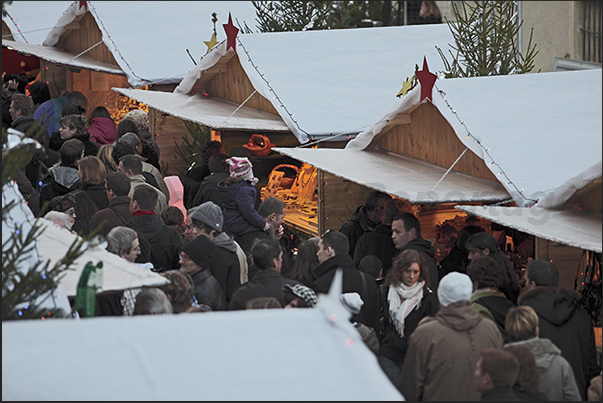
{"points": [[406, 86], [211, 43]]}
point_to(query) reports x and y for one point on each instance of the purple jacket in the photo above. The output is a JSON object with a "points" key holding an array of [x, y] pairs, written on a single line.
{"points": [[102, 130], [240, 215]]}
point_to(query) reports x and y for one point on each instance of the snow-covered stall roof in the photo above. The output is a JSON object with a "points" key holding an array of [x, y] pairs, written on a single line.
{"points": [[405, 177], [331, 82], [254, 355], [211, 112], [59, 56], [570, 227], [149, 39], [539, 134]]}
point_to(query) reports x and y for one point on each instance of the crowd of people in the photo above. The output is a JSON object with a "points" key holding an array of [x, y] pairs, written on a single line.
{"points": [[463, 328]]}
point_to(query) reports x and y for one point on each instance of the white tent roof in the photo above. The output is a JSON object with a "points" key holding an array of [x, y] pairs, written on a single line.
{"points": [[118, 273], [570, 227], [539, 134], [331, 82], [211, 112], [149, 39], [405, 177], [264, 355]]}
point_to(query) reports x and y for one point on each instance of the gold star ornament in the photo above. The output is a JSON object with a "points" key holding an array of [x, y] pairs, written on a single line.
{"points": [[406, 86], [211, 43]]}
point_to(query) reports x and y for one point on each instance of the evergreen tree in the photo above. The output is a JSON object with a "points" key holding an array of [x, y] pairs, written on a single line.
{"points": [[279, 16], [28, 282], [485, 41]]}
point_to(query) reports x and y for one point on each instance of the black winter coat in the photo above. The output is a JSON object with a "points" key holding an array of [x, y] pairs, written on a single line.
{"points": [[569, 327], [60, 180], [98, 194], [392, 345], [208, 190], [265, 283], [353, 281], [208, 291], [378, 243], [356, 226], [157, 240], [225, 265]]}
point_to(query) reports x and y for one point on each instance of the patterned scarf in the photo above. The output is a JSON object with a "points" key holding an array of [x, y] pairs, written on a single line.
{"points": [[402, 300]]}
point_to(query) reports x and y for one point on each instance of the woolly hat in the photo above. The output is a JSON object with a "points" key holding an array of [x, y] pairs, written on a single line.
{"points": [[200, 250], [454, 287], [352, 302], [210, 214], [303, 292], [240, 167]]}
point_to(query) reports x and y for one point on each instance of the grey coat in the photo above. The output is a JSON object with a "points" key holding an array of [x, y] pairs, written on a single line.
{"points": [[557, 380]]}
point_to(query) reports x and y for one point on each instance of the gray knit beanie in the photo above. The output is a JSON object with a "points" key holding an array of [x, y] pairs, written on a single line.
{"points": [[210, 214]]}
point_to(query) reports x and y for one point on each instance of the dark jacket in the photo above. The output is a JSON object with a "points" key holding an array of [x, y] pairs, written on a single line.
{"points": [[90, 147], [102, 130], [456, 260], [162, 241], [208, 291], [108, 218], [23, 123], [225, 265], [98, 194], [353, 281], [240, 215], [569, 327], [356, 226], [28, 191], [208, 191], [265, 283], [378, 243], [392, 345], [61, 180], [494, 306], [499, 395], [424, 246]]}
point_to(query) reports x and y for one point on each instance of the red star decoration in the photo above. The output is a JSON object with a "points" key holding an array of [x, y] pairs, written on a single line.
{"points": [[231, 33], [427, 80], [83, 4]]}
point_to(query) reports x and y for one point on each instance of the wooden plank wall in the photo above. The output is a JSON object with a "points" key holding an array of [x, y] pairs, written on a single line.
{"points": [[429, 137], [233, 85], [84, 34]]}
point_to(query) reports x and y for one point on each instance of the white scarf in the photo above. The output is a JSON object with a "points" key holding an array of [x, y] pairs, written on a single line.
{"points": [[398, 309]]}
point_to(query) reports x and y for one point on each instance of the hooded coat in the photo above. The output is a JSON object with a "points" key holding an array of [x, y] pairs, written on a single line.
{"points": [[90, 147], [426, 248], [60, 180], [569, 327], [240, 215], [225, 264], [102, 130], [442, 353], [358, 225], [377, 243], [353, 281], [557, 381], [493, 305]]}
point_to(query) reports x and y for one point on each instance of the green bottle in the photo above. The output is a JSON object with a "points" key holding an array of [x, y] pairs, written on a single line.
{"points": [[90, 281]]}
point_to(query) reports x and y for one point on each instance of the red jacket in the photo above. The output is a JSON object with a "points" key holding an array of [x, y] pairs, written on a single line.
{"points": [[102, 130]]}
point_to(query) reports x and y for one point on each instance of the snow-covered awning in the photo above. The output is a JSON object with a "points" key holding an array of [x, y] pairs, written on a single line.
{"points": [[58, 56], [571, 227], [212, 112], [405, 177], [118, 273], [539, 134], [251, 355]]}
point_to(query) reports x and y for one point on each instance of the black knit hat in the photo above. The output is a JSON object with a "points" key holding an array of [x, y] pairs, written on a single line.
{"points": [[200, 250]]}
